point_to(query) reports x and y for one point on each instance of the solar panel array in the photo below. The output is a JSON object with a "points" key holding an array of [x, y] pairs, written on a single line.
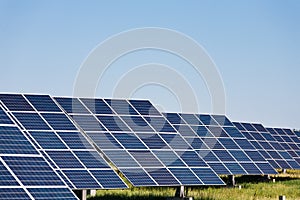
{"points": [[290, 142], [60, 142], [52, 145], [140, 142], [267, 145], [220, 144], [24, 172]]}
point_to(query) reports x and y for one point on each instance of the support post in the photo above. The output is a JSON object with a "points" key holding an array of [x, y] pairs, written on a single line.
{"points": [[282, 197], [93, 193], [180, 192], [267, 177], [84, 194], [284, 171], [81, 194], [231, 180]]}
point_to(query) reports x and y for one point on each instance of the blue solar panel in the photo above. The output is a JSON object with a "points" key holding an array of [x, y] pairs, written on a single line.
{"points": [[71, 105], [15, 102], [146, 122], [186, 176], [144, 107], [43, 103], [248, 127], [162, 176], [222, 120], [51, 193], [81, 179], [137, 123], [6, 177], [121, 107], [108, 179], [64, 159], [13, 193], [185, 130], [265, 167], [233, 132], [24, 162], [4, 119], [32, 171], [190, 119], [239, 155], [196, 143], [235, 168], [219, 135], [191, 159], [65, 145], [113, 123], [251, 168], [244, 144], [175, 141], [259, 127], [202, 131], [207, 176], [129, 140], [12, 141], [88, 123], [217, 131], [91, 159], [224, 156], [160, 124], [219, 168], [31, 121], [153, 141], [47, 140], [97, 106], [255, 156], [75, 140], [208, 156], [121, 158], [151, 160], [213, 143], [59, 121], [174, 118], [138, 177], [104, 140], [228, 143], [169, 158], [207, 120]]}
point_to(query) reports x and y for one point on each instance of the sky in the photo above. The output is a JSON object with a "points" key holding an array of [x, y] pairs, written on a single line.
{"points": [[255, 46]]}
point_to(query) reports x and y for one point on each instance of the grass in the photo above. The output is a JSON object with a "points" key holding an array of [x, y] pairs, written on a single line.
{"points": [[253, 188]]}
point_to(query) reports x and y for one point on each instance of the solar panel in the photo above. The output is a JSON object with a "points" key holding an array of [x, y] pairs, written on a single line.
{"points": [[60, 142], [221, 145], [269, 148], [290, 145], [135, 137], [23, 171]]}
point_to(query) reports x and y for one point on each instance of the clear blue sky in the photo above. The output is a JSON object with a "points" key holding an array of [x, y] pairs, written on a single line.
{"points": [[255, 44]]}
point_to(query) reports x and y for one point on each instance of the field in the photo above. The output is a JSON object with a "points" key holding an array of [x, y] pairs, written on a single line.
{"points": [[252, 188]]}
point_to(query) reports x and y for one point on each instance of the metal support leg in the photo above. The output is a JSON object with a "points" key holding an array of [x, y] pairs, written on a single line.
{"points": [[180, 192]]}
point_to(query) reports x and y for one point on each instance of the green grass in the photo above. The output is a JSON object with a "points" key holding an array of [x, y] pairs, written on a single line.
{"points": [[253, 188]]}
